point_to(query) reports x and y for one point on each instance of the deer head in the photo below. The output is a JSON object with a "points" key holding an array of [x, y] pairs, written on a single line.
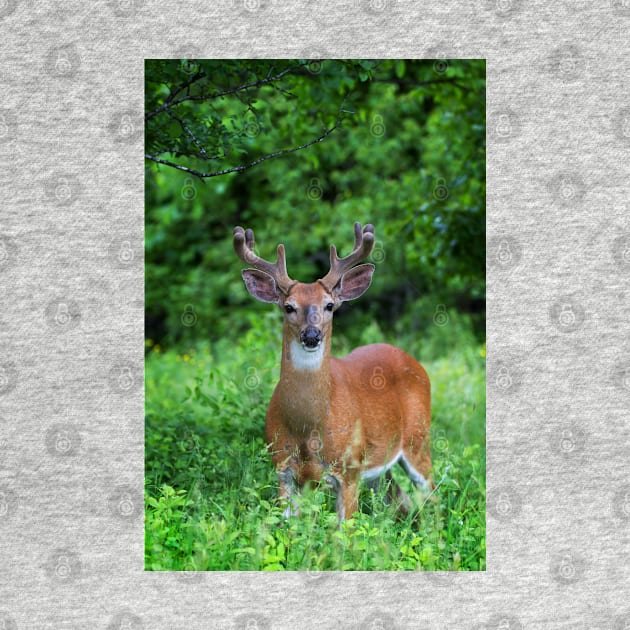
{"points": [[308, 307]]}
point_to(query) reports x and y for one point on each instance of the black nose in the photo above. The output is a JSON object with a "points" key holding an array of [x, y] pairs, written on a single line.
{"points": [[311, 337]]}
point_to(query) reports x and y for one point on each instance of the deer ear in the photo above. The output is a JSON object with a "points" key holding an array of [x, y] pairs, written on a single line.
{"points": [[354, 283], [261, 285]]}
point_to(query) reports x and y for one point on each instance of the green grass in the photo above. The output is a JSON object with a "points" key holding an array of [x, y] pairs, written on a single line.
{"points": [[211, 487]]}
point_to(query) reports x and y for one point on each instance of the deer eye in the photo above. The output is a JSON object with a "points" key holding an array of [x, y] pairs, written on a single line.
{"points": [[330, 306], [289, 309]]}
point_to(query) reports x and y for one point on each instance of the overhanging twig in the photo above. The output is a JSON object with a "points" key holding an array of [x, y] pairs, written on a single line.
{"points": [[243, 167]]}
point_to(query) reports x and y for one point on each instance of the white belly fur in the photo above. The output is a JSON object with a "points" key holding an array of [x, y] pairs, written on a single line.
{"points": [[373, 473]]}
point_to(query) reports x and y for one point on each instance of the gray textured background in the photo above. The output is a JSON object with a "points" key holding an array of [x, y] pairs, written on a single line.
{"points": [[71, 322]]}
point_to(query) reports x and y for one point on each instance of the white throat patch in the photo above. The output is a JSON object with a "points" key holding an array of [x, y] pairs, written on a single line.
{"points": [[303, 359]]}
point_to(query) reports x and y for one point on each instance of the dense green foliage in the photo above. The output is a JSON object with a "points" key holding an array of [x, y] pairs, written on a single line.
{"points": [[403, 148], [409, 157]]}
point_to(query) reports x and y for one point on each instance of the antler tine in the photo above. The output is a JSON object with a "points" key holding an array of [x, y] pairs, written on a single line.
{"points": [[363, 244], [244, 243]]}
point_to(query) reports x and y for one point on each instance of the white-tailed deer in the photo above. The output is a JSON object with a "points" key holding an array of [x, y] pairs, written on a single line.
{"points": [[345, 419]]}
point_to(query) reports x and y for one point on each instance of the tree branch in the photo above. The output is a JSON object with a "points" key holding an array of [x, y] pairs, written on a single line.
{"points": [[183, 86], [204, 97], [244, 167], [190, 134]]}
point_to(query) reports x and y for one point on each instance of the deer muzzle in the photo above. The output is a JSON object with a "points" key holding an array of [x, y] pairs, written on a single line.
{"points": [[310, 338]]}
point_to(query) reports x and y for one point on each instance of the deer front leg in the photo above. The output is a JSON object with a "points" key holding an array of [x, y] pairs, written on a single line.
{"points": [[288, 488], [347, 500], [347, 496]]}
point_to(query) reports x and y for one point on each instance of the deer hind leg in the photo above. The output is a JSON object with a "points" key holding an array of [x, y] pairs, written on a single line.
{"points": [[417, 465], [416, 447], [395, 495], [347, 496]]}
